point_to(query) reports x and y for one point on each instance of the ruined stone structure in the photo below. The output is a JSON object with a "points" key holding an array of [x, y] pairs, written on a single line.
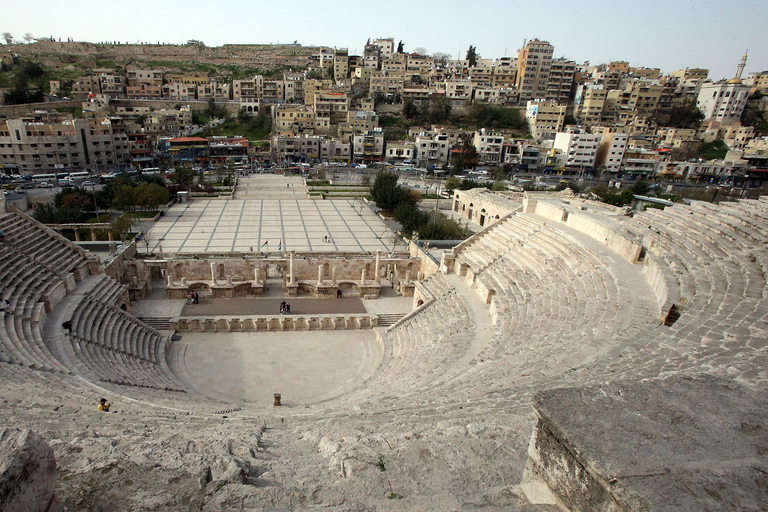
{"points": [[566, 357]]}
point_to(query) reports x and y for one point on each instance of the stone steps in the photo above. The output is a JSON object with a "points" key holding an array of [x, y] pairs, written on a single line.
{"points": [[387, 319]]}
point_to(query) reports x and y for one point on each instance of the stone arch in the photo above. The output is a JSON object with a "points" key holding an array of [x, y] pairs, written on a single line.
{"points": [[123, 307], [482, 217], [469, 213], [419, 302]]}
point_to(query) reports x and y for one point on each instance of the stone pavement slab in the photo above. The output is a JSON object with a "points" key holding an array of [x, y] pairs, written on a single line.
{"points": [[271, 226]]}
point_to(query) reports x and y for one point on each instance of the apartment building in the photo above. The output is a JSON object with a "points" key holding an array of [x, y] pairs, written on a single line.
{"points": [[368, 147], [247, 91], [580, 149], [335, 150], [43, 145], [590, 103], [179, 91], [545, 118], [611, 150], [340, 63], [86, 85], [488, 145], [640, 162], [150, 77], [112, 85], [533, 66], [400, 152], [294, 119], [386, 47], [560, 82], [144, 91], [432, 148], [372, 56]]}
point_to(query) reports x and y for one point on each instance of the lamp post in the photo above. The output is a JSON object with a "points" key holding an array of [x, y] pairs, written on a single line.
{"points": [[96, 206]]}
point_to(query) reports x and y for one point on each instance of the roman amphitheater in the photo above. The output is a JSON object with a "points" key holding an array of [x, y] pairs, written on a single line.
{"points": [[568, 356]]}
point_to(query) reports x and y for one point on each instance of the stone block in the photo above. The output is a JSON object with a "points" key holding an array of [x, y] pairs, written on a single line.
{"points": [[684, 443], [27, 472]]}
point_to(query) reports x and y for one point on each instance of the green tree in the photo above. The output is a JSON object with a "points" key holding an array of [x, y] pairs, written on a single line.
{"points": [[184, 176], [74, 198], [410, 217], [686, 115], [125, 198], [386, 192], [451, 184], [472, 56]]}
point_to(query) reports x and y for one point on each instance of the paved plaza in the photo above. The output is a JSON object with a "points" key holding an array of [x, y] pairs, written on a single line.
{"points": [[305, 367], [271, 186], [271, 226]]}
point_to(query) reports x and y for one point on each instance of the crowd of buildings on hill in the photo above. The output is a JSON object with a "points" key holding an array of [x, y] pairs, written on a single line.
{"points": [[329, 113]]}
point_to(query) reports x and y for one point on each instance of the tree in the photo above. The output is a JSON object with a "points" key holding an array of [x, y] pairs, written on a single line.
{"points": [[420, 50], [8, 38], [28, 38], [472, 56], [146, 240], [125, 198], [410, 109], [386, 192], [451, 184], [441, 58], [686, 115], [74, 198], [184, 176], [399, 46]]}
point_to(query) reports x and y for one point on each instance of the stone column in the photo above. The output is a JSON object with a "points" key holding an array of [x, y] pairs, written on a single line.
{"points": [[213, 273], [170, 280], [407, 276], [257, 275], [319, 275], [377, 272], [110, 235], [183, 281], [77, 235], [290, 269], [333, 276], [362, 279], [93, 235], [229, 280]]}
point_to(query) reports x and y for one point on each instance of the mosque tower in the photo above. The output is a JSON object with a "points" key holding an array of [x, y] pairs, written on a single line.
{"points": [[742, 65]]}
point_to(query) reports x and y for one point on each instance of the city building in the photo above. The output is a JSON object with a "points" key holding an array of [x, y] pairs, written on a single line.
{"points": [[533, 65], [580, 149], [545, 118]]}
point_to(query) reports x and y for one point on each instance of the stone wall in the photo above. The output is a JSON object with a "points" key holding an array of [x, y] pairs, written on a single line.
{"points": [[274, 323], [15, 111]]}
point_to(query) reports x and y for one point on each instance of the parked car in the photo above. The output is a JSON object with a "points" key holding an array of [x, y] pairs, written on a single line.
{"points": [[8, 186], [45, 184], [87, 183], [66, 183]]}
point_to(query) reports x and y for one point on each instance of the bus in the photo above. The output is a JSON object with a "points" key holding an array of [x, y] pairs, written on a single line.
{"points": [[79, 175], [62, 175], [38, 178]]}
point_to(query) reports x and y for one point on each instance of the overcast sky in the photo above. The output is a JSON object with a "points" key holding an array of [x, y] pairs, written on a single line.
{"points": [[654, 33]]}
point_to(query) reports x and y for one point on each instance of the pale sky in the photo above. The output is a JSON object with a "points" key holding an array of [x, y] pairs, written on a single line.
{"points": [[653, 33]]}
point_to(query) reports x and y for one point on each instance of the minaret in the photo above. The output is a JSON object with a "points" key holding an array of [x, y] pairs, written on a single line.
{"points": [[742, 65]]}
